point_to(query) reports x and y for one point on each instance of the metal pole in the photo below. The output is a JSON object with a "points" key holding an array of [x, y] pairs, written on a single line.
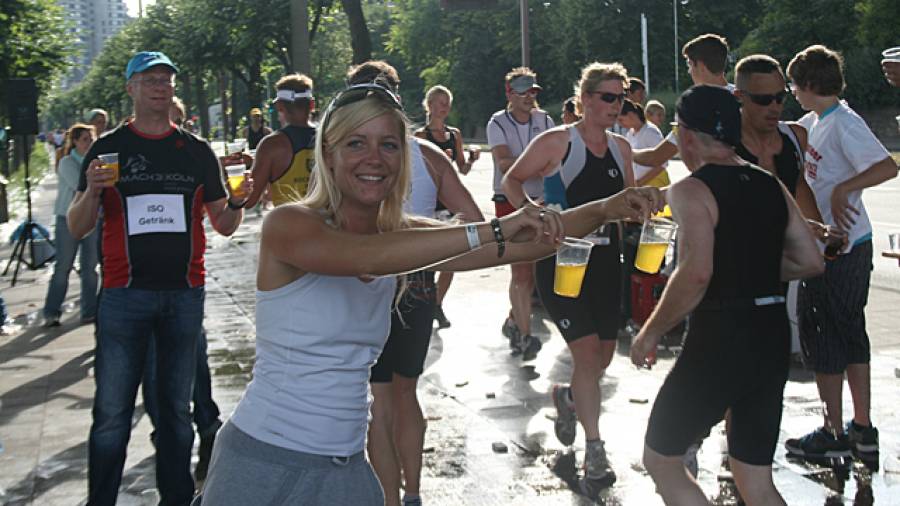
{"points": [[526, 56], [140, 8], [675, 18], [646, 53], [299, 36]]}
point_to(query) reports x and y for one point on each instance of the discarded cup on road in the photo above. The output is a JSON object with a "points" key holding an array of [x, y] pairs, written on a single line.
{"points": [[571, 264], [655, 238]]}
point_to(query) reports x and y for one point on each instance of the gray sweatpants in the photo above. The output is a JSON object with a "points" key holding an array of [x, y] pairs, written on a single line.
{"points": [[244, 470]]}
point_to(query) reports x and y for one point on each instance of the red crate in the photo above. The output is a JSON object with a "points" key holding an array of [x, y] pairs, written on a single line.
{"points": [[646, 290]]}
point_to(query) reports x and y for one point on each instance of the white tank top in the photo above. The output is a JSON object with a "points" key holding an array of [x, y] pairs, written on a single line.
{"points": [[422, 197], [316, 339]]}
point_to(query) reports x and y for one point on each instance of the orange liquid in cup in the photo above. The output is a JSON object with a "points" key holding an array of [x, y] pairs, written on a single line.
{"points": [[568, 279], [650, 256], [115, 170], [234, 182]]}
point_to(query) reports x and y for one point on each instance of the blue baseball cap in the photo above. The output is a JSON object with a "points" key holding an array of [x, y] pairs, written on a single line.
{"points": [[146, 59]]}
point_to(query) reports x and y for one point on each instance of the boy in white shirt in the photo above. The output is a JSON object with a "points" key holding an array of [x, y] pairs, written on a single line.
{"points": [[843, 157]]}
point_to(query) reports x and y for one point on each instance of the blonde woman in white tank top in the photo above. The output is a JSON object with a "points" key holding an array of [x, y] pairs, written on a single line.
{"points": [[333, 257]]}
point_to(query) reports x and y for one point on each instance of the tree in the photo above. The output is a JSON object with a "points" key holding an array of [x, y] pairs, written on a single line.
{"points": [[359, 32], [34, 42]]}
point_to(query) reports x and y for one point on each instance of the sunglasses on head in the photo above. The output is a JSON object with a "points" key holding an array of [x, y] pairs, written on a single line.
{"points": [[360, 92], [766, 99], [607, 97]]}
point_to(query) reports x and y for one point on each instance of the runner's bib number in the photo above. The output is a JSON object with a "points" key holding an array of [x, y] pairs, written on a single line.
{"points": [[155, 213]]}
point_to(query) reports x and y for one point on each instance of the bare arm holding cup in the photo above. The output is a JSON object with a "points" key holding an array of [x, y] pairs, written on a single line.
{"points": [[85, 207]]}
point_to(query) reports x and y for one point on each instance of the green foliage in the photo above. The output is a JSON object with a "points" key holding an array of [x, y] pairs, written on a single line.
{"points": [[34, 42]]}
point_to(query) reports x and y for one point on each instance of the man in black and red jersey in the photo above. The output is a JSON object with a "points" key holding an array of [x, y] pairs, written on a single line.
{"points": [[153, 275]]}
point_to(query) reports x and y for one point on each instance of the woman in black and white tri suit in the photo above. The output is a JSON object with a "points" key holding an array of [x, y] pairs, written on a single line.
{"points": [[581, 163]]}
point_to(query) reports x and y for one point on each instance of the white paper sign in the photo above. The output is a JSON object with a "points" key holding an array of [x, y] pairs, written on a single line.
{"points": [[154, 213]]}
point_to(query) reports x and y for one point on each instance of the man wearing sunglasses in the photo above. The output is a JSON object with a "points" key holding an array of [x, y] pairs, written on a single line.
{"points": [[706, 57], [509, 132]]}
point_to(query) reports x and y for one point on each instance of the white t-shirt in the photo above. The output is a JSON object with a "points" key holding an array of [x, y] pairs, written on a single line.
{"points": [[841, 146], [671, 139], [504, 129], [647, 137]]}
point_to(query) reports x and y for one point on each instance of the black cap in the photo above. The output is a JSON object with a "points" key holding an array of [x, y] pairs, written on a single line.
{"points": [[712, 110]]}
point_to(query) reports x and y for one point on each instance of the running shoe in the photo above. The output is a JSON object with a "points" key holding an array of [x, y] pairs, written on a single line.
{"points": [[598, 475], [510, 330], [412, 501], [566, 424], [440, 317], [863, 441], [530, 347], [819, 444]]}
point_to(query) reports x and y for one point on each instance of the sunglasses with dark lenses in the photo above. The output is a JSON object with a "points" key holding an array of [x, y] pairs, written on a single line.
{"points": [[607, 97], [360, 92], [766, 99]]}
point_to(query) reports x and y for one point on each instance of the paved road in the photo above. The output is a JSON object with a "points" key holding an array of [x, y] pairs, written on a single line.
{"points": [[474, 393]]}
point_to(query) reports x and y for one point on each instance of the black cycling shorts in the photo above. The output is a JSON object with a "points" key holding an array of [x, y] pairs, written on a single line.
{"points": [[734, 359], [597, 309], [411, 325]]}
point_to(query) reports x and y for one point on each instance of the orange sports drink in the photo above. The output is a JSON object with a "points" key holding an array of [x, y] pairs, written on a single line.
{"points": [[111, 161], [236, 175], [655, 238], [571, 264]]}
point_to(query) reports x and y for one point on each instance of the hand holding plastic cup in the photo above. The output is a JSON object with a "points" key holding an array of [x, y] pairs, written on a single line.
{"points": [[110, 161], [474, 152], [236, 174], [235, 147], [655, 238], [571, 264]]}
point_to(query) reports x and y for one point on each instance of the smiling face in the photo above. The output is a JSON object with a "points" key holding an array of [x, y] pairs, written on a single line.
{"points": [[152, 90], [366, 163]]}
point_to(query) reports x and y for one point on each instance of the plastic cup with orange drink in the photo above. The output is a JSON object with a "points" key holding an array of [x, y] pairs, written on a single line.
{"points": [[571, 264], [110, 161], [236, 174], [655, 238]]}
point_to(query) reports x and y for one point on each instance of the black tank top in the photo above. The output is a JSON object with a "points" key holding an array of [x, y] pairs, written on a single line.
{"points": [[254, 136], [788, 163], [749, 237], [450, 143]]}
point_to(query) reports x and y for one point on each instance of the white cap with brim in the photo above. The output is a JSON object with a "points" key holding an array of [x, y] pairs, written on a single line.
{"points": [[291, 95], [521, 84]]}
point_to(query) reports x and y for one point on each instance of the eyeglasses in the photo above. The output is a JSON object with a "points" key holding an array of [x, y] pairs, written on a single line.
{"points": [[766, 99], [157, 81], [607, 97], [527, 93], [357, 93]]}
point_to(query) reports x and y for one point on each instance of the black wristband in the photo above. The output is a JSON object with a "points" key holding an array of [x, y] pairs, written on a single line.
{"points": [[234, 206], [498, 236]]}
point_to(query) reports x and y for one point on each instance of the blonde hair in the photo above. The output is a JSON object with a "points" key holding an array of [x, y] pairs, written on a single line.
{"points": [[429, 96], [595, 73], [325, 196], [654, 106]]}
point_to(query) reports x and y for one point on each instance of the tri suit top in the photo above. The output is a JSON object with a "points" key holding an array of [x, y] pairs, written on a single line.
{"points": [[584, 177], [788, 162], [153, 235], [291, 185]]}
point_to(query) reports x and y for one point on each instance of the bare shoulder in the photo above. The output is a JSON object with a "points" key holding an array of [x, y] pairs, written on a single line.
{"points": [[690, 195], [799, 130], [291, 221], [454, 131], [624, 145], [420, 132]]}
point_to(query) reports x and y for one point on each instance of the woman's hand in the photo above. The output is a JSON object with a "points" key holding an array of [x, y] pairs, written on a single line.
{"points": [[533, 223], [634, 204]]}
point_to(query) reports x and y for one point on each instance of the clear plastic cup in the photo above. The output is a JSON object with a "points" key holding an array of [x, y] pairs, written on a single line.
{"points": [[894, 240], [655, 238], [234, 147], [111, 161], [236, 174], [571, 264]]}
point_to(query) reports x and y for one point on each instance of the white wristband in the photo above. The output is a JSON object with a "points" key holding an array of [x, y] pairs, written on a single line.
{"points": [[472, 236]]}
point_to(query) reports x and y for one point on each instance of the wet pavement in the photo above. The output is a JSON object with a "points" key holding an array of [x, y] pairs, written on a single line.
{"points": [[474, 393]]}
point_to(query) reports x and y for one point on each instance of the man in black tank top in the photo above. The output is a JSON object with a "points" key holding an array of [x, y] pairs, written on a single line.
{"points": [[740, 236]]}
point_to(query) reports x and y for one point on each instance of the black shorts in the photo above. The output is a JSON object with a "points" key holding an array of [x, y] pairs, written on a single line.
{"points": [[832, 313], [734, 359], [596, 310], [407, 344]]}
